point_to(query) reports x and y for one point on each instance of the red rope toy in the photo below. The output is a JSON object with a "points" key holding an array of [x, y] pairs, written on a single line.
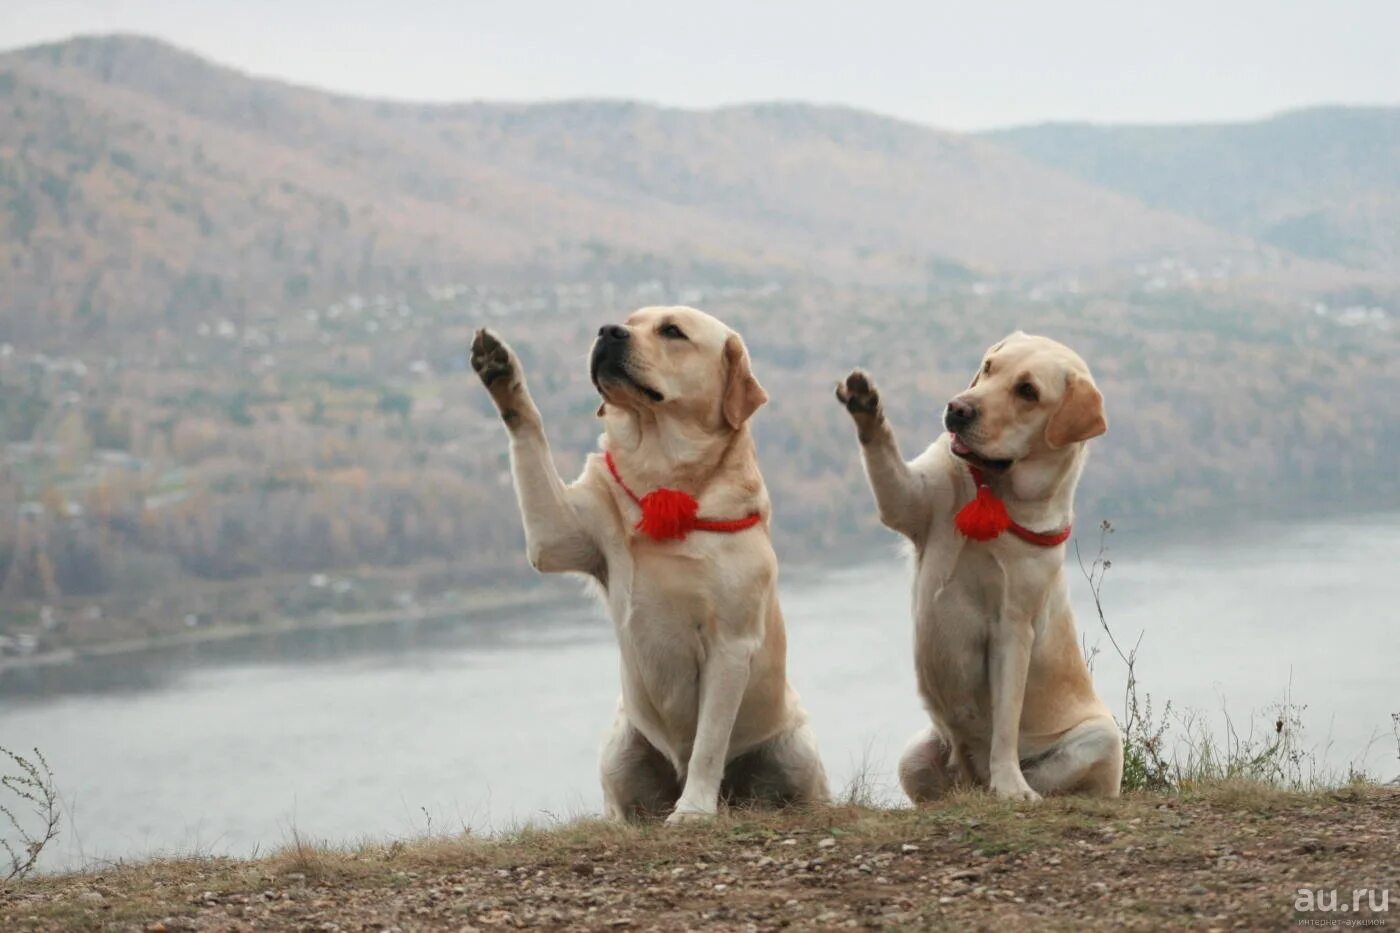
{"points": [[985, 517], [670, 515]]}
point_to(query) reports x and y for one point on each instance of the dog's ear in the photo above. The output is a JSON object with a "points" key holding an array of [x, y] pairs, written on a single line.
{"points": [[742, 394], [1080, 415]]}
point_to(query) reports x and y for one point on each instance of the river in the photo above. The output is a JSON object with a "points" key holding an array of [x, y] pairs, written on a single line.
{"points": [[494, 721]]}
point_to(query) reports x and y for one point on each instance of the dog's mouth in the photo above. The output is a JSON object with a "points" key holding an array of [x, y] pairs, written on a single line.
{"points": [[646, 390], [609, 371], [960, 449]]}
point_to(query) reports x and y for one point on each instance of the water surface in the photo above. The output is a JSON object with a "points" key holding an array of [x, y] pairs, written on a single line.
{"points": [[487, 722]]}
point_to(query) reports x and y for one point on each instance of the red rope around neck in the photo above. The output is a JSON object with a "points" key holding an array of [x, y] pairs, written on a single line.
{"points": [[670, 515], [985, 517]]}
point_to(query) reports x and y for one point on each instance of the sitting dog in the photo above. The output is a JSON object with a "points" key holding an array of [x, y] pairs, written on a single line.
{"points": [[671, 519], [988, 507]]}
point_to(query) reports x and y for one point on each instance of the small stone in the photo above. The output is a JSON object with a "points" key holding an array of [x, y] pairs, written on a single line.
{"points": [[907, 848], [1198, 890], [826, 843]]}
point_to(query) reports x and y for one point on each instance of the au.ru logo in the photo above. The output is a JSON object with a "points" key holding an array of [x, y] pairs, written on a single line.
{"points": [[1310, 900]]}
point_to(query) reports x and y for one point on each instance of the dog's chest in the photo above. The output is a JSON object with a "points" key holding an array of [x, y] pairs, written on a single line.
{"points": [[663, 615], [953, 628], [671, 605]]}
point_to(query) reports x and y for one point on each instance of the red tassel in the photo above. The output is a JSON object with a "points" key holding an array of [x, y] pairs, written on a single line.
{"points": [[667, 514], [983, 518]]}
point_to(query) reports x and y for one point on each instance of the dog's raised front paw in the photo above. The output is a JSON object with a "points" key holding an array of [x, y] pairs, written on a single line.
{"points": [[492, 359], [500, 371], [860, 397], [858, 394]]}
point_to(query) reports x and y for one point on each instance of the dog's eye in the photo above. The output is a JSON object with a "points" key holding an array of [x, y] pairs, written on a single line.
{"points": [[672, 332], [1027, 391]]}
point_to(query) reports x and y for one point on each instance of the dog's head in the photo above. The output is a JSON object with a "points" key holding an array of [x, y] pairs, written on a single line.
{"points": [[1031, 396], [677, 362]]}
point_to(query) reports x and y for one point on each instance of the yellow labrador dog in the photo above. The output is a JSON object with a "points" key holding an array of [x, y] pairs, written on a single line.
{"points": [[671, 519], [998, 664]]}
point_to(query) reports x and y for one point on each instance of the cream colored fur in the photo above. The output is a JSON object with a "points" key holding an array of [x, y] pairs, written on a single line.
{"points": [[706, 707], [998, 663]]}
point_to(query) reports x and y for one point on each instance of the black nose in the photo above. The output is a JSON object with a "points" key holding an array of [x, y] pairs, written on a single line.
{"points": [[613, 332], [960, 414]]}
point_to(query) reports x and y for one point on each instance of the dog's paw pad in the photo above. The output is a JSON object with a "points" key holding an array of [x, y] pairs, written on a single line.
{"points": [[858, 394], [490, 358]]}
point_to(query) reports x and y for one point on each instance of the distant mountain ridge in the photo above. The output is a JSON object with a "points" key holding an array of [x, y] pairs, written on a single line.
{"points": [[136, 178], [1322, 182]]}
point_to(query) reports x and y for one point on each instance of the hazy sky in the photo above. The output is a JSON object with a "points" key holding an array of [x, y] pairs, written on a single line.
{"points": [[961, 65]]}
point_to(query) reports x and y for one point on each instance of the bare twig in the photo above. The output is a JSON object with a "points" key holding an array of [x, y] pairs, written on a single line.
{"points": [[1145, 764], [32, 789]]}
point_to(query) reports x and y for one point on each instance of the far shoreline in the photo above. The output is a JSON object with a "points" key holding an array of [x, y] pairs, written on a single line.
{"points": [[478, 603], [1224, 530]]}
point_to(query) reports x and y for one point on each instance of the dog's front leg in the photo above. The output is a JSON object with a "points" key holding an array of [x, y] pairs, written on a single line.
{"points": [[899, 492], [556, 538], [1012, 638], [724, 677]]}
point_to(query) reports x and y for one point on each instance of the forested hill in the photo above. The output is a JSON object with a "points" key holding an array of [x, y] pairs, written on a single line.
{"points": [[1323, 183], [137, 179]]}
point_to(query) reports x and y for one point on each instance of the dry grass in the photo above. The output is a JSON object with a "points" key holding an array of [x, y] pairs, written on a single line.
{"points": [[1227, 849]]}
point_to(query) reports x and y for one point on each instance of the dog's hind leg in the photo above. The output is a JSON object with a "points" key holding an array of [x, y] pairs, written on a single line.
{"points": [[930, 767], [638, 781], [1087, 759], [784, 771]]}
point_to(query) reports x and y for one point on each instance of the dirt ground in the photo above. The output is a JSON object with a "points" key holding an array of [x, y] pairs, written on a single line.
{"points": [[1230, 857]]}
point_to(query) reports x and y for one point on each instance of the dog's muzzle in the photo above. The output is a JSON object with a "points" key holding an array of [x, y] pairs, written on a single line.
{"points": [[609, 360], [609, 364]]}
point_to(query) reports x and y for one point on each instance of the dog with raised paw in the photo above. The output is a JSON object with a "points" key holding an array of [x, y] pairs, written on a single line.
{"points": [[988, 507], [671, 519]]}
